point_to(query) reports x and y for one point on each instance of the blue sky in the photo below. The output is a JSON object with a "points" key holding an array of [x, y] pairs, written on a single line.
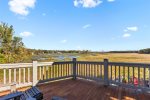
{"points": [[79, 24]]}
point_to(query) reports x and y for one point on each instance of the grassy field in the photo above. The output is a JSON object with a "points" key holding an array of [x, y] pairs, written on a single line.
{"points": [[116, 57], [113, 57]]}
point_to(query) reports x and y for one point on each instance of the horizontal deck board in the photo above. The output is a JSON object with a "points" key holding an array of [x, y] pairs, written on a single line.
{"points": [[88, 90]]}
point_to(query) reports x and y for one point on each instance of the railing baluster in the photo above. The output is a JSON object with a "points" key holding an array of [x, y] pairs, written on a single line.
{"points": [[86, 71], [123, 71], [111, 72], [50, 71], [40, 73], [115, 73], [24, 75], [81, 69], [138, 76], [144, 76], [57, 71], [94, 71], [19, 75], [119, 73], [128, 74], [4, 76], [100, 71], [28, 74], [78, 69], [61, 70], [133, 75], [15, 75], [43, 72], [9, 75], [89, 70], [68, 69], [47, 72], [149, 76], [53, 71]]}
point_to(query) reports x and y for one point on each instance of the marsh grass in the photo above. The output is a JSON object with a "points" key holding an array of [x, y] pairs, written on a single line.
{"points": [[116, 57]]}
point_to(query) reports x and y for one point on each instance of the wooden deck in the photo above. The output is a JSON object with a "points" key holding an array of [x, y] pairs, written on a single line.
{"points": [[88, 90]]}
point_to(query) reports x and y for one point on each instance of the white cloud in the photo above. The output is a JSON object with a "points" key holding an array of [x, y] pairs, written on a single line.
{"points": [[134, 28], [110, 0], [26, 34], [63, 41], [87, 3], [86, 26], [126, 35], [21, 7]]}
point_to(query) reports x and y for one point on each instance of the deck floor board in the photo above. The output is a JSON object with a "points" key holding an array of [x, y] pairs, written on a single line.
{"points": [[86, 90]]}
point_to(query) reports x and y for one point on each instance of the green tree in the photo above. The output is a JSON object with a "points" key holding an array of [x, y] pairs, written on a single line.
{"points": [[12, 48], [6, 35], [17, 44]]}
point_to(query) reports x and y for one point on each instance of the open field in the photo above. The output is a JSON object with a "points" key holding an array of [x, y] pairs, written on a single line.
{"points": [[116, 57], [113, 57]]}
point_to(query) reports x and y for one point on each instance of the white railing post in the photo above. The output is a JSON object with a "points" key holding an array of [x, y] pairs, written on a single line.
{"points": [[34, 73]]}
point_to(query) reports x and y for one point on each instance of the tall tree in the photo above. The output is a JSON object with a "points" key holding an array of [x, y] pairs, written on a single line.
{"points": [[11, 48], [17, 43], [6, 35]]}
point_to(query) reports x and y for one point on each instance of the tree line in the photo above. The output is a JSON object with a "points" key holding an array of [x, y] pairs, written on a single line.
{"points": [[145, 51]]}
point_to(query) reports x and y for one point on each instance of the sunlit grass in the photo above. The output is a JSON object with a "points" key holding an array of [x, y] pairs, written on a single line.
{"points": [[116, 57]]}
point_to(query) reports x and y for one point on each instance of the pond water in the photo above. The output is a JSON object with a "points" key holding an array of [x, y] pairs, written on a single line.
{"points": [[63, 57]]}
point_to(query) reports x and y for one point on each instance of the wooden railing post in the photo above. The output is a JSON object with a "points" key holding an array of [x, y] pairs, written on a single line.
{"points": [[34, 73], [74, 68], [106, 81]]}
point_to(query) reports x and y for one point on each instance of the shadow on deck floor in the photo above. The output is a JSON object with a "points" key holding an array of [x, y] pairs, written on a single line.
{"points": [[87, 90]]}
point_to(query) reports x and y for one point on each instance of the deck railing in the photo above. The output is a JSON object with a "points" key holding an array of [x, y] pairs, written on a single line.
{"points": [[131, 75], [21, 74]]}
